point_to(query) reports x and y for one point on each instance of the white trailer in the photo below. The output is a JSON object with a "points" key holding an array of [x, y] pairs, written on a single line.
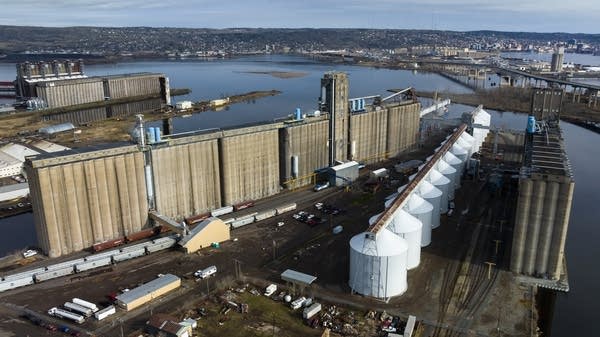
{"points": [[85, 303], [285, 208], [102, 314], [105, 261], [221, 211], [79, 309], [309, 312], [66, 314], [51, 274]]}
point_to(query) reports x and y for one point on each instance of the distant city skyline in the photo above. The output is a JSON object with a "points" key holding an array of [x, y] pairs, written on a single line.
{"points": [[457, 15]]}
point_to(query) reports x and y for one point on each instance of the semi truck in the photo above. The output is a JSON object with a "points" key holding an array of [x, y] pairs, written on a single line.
{"points": [[57, 312]]}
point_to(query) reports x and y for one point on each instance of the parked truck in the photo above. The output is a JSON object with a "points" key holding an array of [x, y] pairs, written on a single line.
{"points": [[57, 312], [79, 309]]}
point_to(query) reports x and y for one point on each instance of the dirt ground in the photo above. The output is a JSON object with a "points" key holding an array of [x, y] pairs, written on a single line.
{"points": [[263, 251]]}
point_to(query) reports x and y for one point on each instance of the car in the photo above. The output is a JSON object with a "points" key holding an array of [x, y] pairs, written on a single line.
{"points": [[322, 186], [204, 273], [280, 223], [319, 205]]}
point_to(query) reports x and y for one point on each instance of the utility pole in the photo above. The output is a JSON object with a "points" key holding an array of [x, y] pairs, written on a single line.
{"points": [[490, 264], [498, 242], [238, 268], [274, 250]]}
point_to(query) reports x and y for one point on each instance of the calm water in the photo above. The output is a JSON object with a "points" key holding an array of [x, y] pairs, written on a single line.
{"points": [[574, 312], [584, 59]]}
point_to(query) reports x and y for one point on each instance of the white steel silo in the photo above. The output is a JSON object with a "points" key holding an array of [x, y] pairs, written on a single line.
{"points": [[434, 196], [450, 173], [456, 163], [378, 264], [442, 183], [462, 154], [470, 140], [410, 229], [423, 211]]}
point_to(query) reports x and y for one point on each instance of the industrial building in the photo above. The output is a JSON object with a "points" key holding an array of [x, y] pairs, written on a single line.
{"points": [[86, 196], [12, 157], [61, 84], [546, 187], [204, 234], [145, 293]]}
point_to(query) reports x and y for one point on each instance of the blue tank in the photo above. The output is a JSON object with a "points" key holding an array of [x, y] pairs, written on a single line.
{"points": [[157, 134], [151, 135], [531, 124], [298, 114]]}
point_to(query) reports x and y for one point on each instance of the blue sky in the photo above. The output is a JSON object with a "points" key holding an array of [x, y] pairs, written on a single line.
{"points": [[580, 16]]}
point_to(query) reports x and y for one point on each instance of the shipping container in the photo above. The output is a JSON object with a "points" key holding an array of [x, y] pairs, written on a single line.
{"points": [[221, 211], [57, 312], [101, 262], [146, 233], [102, 314], [130, 254], [85, 303], [78, 309], [242, 222], [16, 283], [228, 220], [285, 208], [265, 215], [52, 274], [97, 247]]}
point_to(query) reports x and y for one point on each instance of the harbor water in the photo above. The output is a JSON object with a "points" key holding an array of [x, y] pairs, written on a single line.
{"points": [[574, 313]]}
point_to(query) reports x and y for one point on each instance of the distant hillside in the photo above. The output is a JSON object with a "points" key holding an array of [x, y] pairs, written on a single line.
{"points": [[153, 41]]}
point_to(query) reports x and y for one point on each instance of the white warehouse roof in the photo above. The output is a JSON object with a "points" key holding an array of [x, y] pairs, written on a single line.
{"points": [[297, 277]]}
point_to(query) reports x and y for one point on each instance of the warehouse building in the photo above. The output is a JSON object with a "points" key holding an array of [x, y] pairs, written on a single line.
{"points": [[204, 234], [145, 293]]}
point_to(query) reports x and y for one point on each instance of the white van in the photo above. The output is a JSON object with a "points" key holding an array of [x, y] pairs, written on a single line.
{"points": [[204, 273]]}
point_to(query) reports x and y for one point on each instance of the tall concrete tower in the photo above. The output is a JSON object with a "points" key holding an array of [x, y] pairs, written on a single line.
{"points": [[334, 100], [557, 59]]}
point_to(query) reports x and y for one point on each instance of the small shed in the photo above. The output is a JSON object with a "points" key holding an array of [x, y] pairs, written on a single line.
{"points": [[343, 174], [298, 278], [167, 326], [204, 234]]}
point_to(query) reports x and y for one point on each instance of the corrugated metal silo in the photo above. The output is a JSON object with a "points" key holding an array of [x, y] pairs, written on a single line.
{"points": [[450, 173], [410, 229], [378, 264], [422, 210], [442, 183], [457, 165], [434, 196]]}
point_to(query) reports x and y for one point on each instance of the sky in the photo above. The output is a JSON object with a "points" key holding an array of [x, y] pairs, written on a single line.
{"points": [[576, 16]]}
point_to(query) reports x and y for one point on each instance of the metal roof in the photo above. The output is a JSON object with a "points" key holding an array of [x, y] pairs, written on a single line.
{"points": [[297, 277], [344, 165], [143, 290]]}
